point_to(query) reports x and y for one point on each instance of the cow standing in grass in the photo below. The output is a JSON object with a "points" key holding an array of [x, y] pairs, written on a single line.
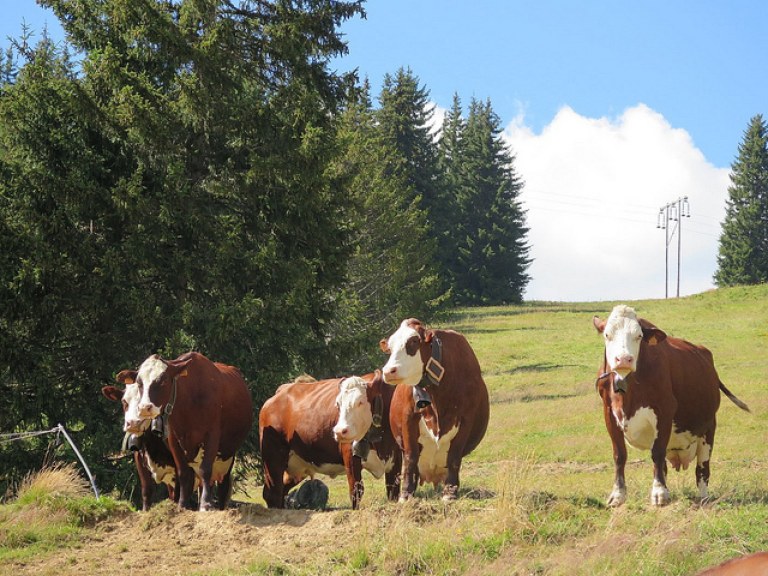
{"points": [[444, 421], [660, 394], [207, 410], [153, 458], [310, 428]]}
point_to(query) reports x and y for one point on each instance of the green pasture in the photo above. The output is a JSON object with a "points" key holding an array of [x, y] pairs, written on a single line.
{"points": [[535, 488], [533, 493]]}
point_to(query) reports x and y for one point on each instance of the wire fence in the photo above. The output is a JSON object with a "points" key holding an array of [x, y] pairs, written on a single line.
{"points": [[6, 438]]}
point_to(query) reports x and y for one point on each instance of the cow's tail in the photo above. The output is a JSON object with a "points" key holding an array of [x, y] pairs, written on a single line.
{"points": [[733, 398]]}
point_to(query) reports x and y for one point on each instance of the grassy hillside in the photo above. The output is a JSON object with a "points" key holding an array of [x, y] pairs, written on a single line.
{"points": [[533, 493]]}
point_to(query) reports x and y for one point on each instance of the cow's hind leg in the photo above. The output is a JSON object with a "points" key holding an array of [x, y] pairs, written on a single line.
{"points": [[703, 455], [274, 456], [659, 492], [224, 490], [453, 463]]}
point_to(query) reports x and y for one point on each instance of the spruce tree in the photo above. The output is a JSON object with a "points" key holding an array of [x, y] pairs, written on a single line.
{"points": [[391, 274], [743, 253], [492, 251], [406, 118], [170, 191]]}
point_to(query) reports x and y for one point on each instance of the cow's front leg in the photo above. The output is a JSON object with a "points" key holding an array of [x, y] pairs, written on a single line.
{"points": [[185, 476], [659, 492], [145, 479], [451, 484], [392, 481], [353, 465], [411, 453], [618, 495]]}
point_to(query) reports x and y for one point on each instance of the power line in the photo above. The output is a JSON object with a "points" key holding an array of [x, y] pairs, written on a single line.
{"points": [[672, 212]]}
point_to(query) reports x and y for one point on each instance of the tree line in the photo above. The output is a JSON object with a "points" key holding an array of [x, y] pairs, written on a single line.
{"points": [[194, 175]]}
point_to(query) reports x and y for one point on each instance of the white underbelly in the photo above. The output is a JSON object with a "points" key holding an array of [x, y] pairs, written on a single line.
{"points": [[682, 449], [161, 474], [298, 468], [433, 460], [219, 469], [376, 466]]}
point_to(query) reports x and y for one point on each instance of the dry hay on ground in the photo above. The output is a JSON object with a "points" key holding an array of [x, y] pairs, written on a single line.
{"points": [[168, 541]]}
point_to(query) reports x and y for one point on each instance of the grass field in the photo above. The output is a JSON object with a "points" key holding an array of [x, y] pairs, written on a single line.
{"points": [[533, 493]]}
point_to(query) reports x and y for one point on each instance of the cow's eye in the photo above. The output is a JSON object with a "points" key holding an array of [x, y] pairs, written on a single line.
{"points": [[412, 345]]}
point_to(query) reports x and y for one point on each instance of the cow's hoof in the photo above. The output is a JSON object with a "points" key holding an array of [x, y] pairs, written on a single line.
{"points": [[450, 493], [404, 498], [660, 495], [617, 498]]}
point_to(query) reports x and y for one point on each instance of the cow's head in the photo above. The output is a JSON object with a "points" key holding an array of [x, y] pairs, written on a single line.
{"points": [[405, 364], [355, 414], [156, 381], [624, 333], [129, 397]]}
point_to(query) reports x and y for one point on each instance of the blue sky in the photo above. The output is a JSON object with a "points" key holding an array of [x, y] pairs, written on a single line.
{"points": [[613, 109]]}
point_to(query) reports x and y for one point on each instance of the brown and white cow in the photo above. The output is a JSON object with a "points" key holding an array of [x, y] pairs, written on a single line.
{"points": [[310, 427], [434, 439], [153, 459], [660, 394], [208, 414]]}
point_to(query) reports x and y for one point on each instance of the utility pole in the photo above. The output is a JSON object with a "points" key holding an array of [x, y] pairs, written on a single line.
{"points": [[672, 212]]}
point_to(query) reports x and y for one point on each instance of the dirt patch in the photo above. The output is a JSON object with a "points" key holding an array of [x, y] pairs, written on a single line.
{"points": [[168, 541]]}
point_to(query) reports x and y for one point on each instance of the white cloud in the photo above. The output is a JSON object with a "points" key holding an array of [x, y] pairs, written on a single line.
{"points": [[593, 191]]}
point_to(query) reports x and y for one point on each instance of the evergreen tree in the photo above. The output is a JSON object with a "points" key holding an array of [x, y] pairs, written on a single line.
{"points": [[169, 192], [491, 257], [406, 118], [450, 153], [391, 274], [743, 253]]}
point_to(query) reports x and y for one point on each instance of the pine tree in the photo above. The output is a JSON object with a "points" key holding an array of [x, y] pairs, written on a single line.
{"points": [[743, 253], [391, 274], [170, 191], [492, 253]]}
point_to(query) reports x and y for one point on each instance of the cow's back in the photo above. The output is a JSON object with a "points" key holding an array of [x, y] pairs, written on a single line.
{"points": [[690, 372], [303, 414]]}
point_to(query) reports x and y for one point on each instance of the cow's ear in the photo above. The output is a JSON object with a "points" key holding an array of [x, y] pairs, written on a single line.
{"points": [[651, 334], [378, 381], [598, 324], [426, 335], [127, 376], [177, 368], [384, 346], [112, 393]]}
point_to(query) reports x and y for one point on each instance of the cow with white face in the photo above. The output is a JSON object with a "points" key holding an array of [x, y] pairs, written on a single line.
{"points": [[355, 412], [661, 394], [623, 335], [309, 428], [207, 412], [434, 438], [153, 460]]}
